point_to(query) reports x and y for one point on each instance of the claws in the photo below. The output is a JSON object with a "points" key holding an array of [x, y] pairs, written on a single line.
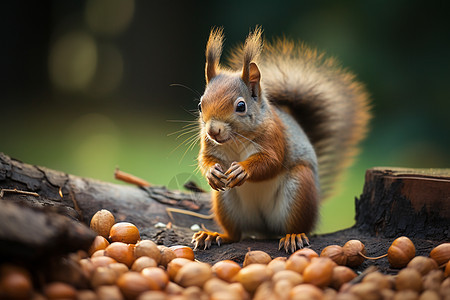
{"points": [[236, 175], [293, 242], [205, 239], [216, 178]]}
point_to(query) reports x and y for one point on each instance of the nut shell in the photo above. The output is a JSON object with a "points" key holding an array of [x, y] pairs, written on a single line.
{"points": [[306, 252], [441, 253], [193, 274], [101, 222], [423, 264], [157, 278], [319, 272], [183, 252], [297, 263], [143, 262], [226, 269], [336, 253], [147, 248], [175, 265], [409, 279], [253, 275], [99, 243], [15, 283], [132, 284], [124, 232], [256, 257], [341, 275], [306, 291], [60, 290], [166, 255], [401, 252], [351, 250], [121, 252]]}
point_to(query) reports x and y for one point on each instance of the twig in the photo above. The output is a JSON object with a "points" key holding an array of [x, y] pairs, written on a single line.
{"points": [[16, 191], [170, 210], [126, 177]]}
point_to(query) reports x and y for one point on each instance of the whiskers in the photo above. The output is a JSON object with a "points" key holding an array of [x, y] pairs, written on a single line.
{"points": [[191, 134]]}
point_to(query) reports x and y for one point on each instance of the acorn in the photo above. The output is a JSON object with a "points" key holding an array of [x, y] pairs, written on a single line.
{"points": [[99, 243], [175, 265], [142, 263], [183, 251], [306, 252], [121, 252], [336, 253], [101, 222], [124, 232], [253, 275], [59, 290], [409, 279], [319, 272], [353, 250], [423, 264], [306, 291], [441, 253], [193, 274], [132, 284], [226, 269], [297, 263], [341, 275], [147, 248], [166, 255], [157, 278], [256, 257], [401, 252]]}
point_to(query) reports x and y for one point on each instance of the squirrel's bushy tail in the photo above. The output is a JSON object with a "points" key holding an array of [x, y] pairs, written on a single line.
{"points": [[327, 101]]}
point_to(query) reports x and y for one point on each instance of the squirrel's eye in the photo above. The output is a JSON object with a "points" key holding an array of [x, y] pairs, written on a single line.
{"points": [[200, 107], [241, 107]]}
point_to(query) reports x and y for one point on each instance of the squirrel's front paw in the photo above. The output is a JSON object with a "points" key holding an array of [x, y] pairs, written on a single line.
{"points": [[236, 175], [216, 178]]}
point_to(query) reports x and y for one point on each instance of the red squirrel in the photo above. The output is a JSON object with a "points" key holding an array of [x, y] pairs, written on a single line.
{"points": [[277, 127]]}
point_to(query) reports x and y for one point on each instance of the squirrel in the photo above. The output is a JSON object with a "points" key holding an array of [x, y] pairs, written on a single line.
{"points": [[277, 127]]}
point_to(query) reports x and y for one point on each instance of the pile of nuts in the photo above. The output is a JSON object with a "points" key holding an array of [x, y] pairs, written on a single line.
{"points": [[119, 265]]}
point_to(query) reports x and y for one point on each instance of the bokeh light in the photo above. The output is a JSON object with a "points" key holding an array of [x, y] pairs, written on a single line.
{"points": [[109, 17]]}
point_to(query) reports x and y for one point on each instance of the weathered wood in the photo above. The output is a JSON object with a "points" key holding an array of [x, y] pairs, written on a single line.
{"points": [[410, 202]]}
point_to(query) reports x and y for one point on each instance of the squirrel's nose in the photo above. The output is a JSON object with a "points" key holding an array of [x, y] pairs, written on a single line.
{"points": [[214, 132]]}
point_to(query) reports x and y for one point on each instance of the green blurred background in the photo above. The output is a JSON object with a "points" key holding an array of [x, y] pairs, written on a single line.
{"points": [[86, 84]]}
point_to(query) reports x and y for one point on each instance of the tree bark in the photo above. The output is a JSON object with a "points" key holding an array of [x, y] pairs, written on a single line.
{"points": [[410, 202]]}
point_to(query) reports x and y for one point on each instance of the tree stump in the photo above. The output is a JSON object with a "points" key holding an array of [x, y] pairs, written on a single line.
{"points": [[410, 202]]}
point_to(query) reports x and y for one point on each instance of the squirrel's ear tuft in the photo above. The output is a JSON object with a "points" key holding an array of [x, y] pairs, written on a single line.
{"points": [[213, 53], [250, 72]]}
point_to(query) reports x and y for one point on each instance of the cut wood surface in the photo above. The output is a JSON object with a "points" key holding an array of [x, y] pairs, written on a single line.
{"points": [[82, 197]]}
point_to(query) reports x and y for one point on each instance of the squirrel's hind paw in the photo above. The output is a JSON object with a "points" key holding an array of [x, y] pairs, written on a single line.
{"points": [[293, 242], [206, 238]]}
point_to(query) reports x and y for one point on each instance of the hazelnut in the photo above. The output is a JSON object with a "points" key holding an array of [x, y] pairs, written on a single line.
{"points": [[173, 288], [306, 292], [183, 252], [84, 295], [352, 250], [109, 292], [382, 281], [406, 295], [256, 257], [366, 290], [157, 278], [336, 253], [214, 285], [282, 288], [193, 274], [132, 284], [59, 290], [293, 277], [423, 264], [226, 269], [98, 253], [441, 253], [103, 276], [306, 252], [147, 248], [101, 261], [166, 255], [341, 275], [99, 243], [277, 264], [101, 222], [253, 275], [297, 263], [15, 283], [121, 252], [401, 252], [124, 232], [152, 295], [142, 263], [319, 272], [119, 268], [409, 279], [433, 280], [447, 269], [175, 265], [430, 295]]}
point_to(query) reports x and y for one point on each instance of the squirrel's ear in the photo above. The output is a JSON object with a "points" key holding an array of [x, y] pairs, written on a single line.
{"points": [[213, 53], [251, 76]]}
